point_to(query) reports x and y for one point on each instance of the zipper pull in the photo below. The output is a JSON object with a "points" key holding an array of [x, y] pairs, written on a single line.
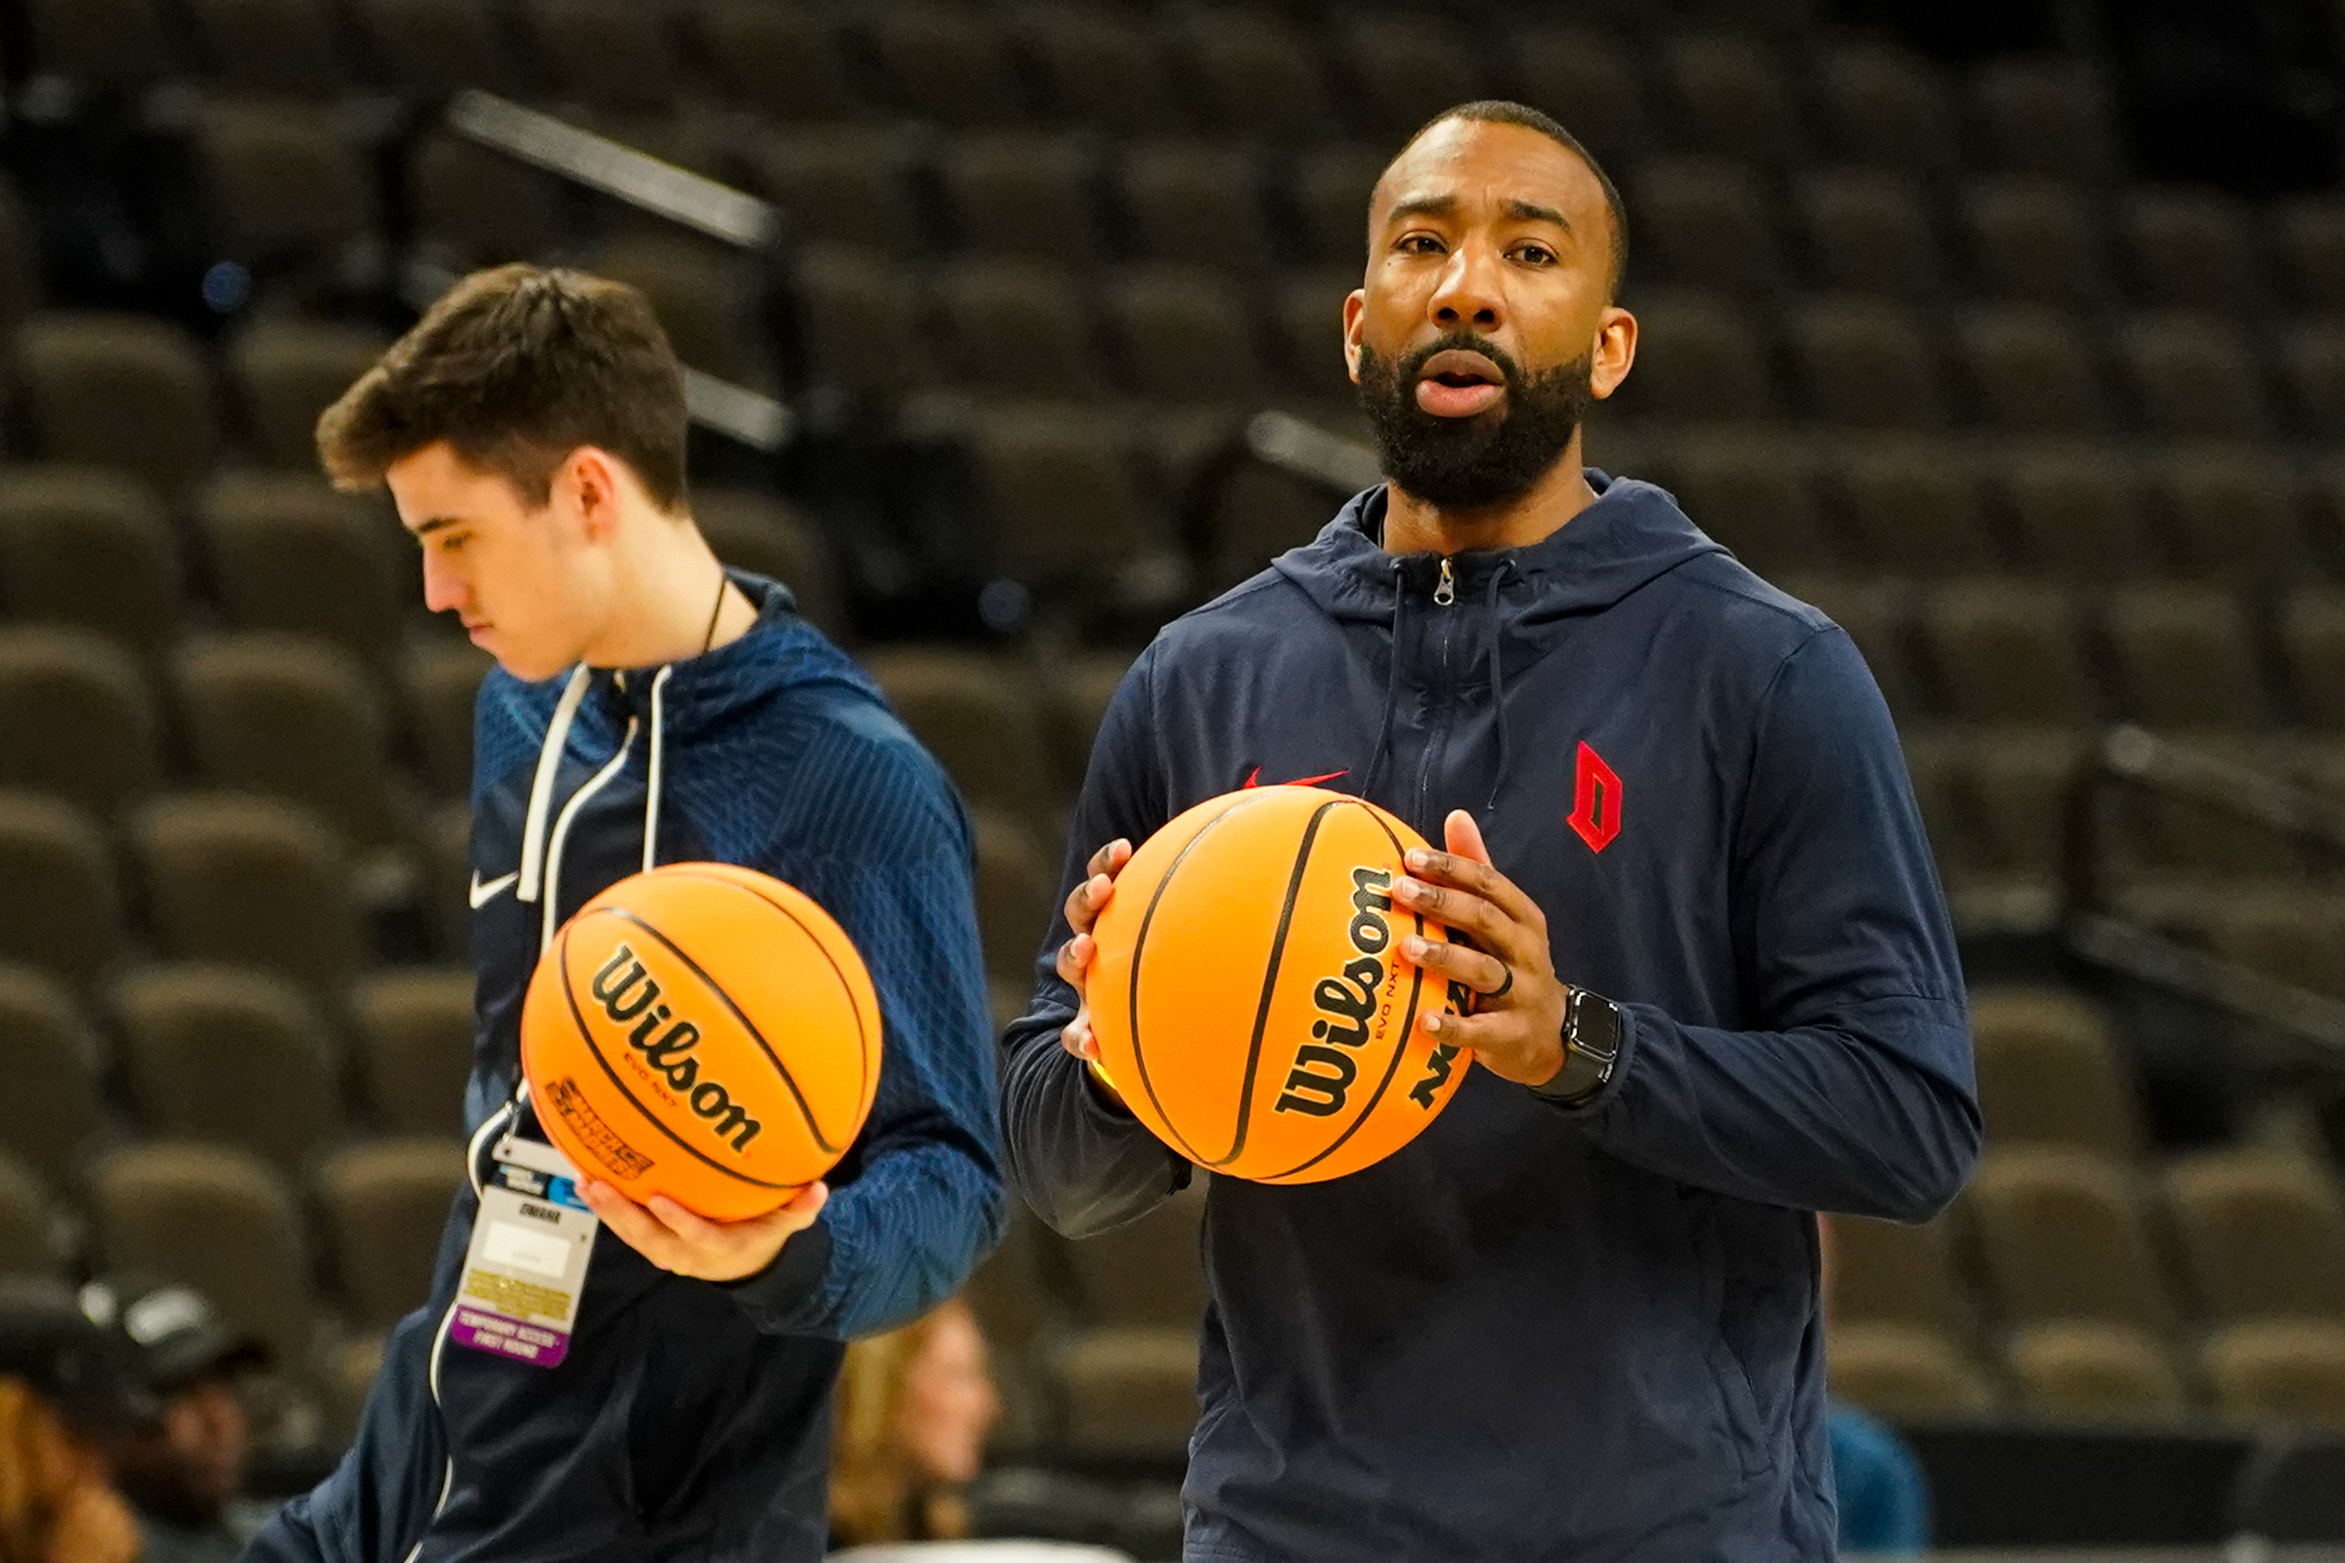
{"points": [[1445, 590]]}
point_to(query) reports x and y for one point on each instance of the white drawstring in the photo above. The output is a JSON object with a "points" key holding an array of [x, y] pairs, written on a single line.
{"points": [[651, 788], [541, 790], [578, 800]]}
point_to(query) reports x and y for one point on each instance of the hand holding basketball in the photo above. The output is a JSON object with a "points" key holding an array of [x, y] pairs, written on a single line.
{"points": [[1516, 1029], [676, 1240], [1084, 905]]}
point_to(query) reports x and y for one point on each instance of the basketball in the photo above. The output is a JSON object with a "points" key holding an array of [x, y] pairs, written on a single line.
{"points": [[1247, 996], [704, 1032]]}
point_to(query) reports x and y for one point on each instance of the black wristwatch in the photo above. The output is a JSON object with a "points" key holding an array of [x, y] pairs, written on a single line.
{"points": [[1592, 1029]]}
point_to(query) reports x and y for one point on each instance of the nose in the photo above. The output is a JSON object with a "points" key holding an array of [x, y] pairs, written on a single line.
{"points": [[1467, 296], [444, 590]]}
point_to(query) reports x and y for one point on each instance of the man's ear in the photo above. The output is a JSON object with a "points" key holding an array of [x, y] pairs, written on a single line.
{"points": [[589, 480], [1355, 310], [1615, 350]]}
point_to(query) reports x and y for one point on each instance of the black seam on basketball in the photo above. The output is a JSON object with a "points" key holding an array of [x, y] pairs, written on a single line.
{"points": [[1286, 918], [593, 1051], [726, 999], [863, 1078], [1400, 1045], [1139, 948]]}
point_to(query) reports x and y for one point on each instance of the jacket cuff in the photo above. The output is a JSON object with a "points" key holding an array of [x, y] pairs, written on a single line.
{"points": [[1596, 1099], [784, 1292]]}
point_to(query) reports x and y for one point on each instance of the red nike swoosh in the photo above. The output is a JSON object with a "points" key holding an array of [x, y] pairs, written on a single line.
{"points": [[1255, 780]]}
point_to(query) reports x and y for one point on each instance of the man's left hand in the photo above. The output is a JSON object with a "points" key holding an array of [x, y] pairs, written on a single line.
{"points": [[1516, 1029], [673, 1238]]}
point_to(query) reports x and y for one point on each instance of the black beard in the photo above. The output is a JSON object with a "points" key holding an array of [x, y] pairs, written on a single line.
{"points": [[1492, 458]]}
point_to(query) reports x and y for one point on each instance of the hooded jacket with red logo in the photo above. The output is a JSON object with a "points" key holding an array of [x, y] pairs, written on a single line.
{"points": [[1543, 1333]]}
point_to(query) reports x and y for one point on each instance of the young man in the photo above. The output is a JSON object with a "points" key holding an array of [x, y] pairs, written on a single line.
{"points": [[1578, 1318], [649, 707]]}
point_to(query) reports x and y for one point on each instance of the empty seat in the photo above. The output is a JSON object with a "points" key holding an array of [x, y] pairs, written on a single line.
{"points": [[1869, 231], [1867, 363], [60, 903], [1017, 891], [2033, 239], [2008, 651], [2311, 362], [770, 537], [20, 263], [1017, 1306], [120, 44], [783, 60], [469, 206], [2279, 1371], [1201, 205], [1900, 1370], [1183, 336], [1917, 507], [276, 48], [1085, 687], [414, 1028], [76, 720], [447, 851], [606, 54], [1060, 494], [2080, 511], [88, 547], [218, 1220], [2261, 1234], [2184, 658], [292, 717], [229, 1057], [1587, 79], [250, 883], [2189, 249], [2312, 630], [1127, 1376], [1706, 223], [441, 678], [1017, 325], [2064, 1240], [287, 372], [1893, 1272], [2235, 513], [427, 47], [1331, 191], [1757, 495], [2094, 1372], [386, 1205], [860, 316], [345, 1380], [2022, 780], [2045, 116], [2049, 1074], [29, 1226], [2291, 935], [2032, 369], [1732, 97], [1885, 105], [982, 719], [946, 63], [51, 1113], [286, 194], [1401, 70], [1022, 194], [289, 553], [1698, 358], [128, 392], [2309, 237], [1251, 72], [1099, 67], [2193, 375], [1308, 309], [840, 184]]}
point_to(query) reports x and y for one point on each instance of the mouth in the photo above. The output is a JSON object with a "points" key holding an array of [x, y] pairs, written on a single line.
{"points": [[1459, 383]]}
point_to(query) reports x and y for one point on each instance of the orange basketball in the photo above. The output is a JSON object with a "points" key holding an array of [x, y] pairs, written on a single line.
{"points": [[1248, 996], [704, 1032]]}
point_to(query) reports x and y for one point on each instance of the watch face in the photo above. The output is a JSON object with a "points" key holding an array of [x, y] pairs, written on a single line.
{"points": [[1595, 1025]]}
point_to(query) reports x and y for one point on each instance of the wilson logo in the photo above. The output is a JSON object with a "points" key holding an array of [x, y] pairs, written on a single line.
{"points": [[626, 993], [1325, 1068], [1595, 800]]}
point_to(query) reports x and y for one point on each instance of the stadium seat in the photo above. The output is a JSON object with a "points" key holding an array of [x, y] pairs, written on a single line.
{"points": [[1757, 495], [1878, 615], [2008, 651], [270, 48], [1197, 204], [447, 844], [1061, 496], [60, 901], [123, 45], [709, 298], [2292, 1488], [1895, 1272], [1867, 363], [1099, 67], [1183, 335], [1330, 191], [2309, 238], [2279, 1371], [288, 553], [1900, 1370], [2094, 1372], [292, 717], [2184, 658], [784, 61], [2032, 239], [2021, 780], [1934, 764], [250, 882], [2312, 632], [2193, 375], [424, 48], [2031, 369], [219, 1220], [1883, 105], [1916, 507], [1399, 70], [606, 54], [2049, 1074], [1019, 326], [52, 1115], [1085, 687], [1868, 230], [1251, 73], [1586, 78], [88, 547], [76, 718], [1021, 193], [946, 63], [2235, 512], [1016, 1299], [441, 678], [21, 289], [29, 1246], [981, 718], [1017, 891], [2189, 249], [126, 392], [1127, 1375], [1705, 223], [2310, 359], [386, 1203], [229, 1057], [414, 1028], [1699, 358], [768, 536], [2290, 934], [1307, 307], [2079, 509], [288, 371], [841, 184], [2064, 1240], [1731, 97], [860, 318], [345, 1379], [468, 206], [2261, 1235], [288, 196], [2045, 115]]}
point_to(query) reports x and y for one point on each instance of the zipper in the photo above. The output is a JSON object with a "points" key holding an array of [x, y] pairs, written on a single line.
{"points": [[1444, 596], [1445, 590]]}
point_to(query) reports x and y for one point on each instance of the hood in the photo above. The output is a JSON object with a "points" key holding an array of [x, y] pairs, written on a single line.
{"points": [[779, 651]]}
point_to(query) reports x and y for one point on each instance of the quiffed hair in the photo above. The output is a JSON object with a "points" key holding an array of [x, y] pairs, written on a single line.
{"points": [[1498, 111], [516, 368]]}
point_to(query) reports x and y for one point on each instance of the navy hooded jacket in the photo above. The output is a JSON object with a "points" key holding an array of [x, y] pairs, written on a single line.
{"points": [[689, 1419], [1543, 1333]]}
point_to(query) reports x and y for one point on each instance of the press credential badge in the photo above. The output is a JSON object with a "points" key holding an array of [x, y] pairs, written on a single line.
{"points": [[526, 1268]]}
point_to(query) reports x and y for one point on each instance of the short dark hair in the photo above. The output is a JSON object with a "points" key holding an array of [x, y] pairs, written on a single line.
{"points": [[516, 368], [1499, 111]]}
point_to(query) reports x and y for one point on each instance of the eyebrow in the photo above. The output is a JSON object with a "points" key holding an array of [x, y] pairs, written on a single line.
{"points": [[1446, 206], [427, 528]]}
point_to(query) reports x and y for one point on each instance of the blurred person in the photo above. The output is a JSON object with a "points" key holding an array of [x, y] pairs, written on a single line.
{"points": [[183, 1467], [1883, 1497], [63, 1385], [914, 1408]]}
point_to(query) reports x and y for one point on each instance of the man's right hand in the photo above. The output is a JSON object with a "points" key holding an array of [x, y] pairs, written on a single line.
{"points": [[1074, 962]]}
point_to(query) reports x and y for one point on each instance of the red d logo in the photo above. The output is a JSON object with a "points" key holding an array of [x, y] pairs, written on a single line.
{"points": [[1595, 801]]}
